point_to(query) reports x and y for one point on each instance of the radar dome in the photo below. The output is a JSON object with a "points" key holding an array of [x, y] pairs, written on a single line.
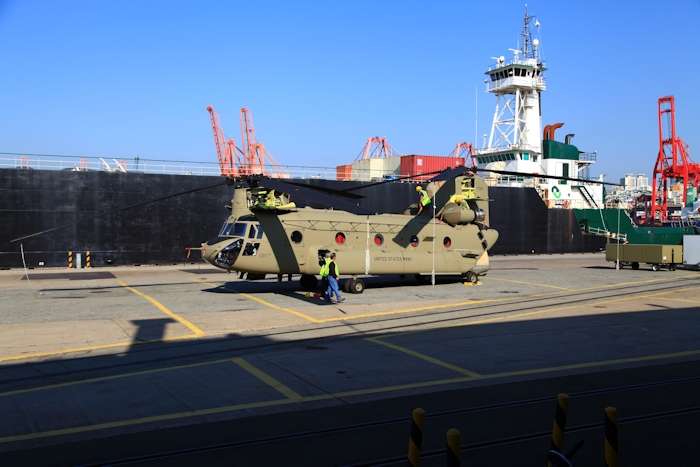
{"points": [[535, 42]]}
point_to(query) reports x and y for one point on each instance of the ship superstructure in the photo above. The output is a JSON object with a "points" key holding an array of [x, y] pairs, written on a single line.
{"points": [[517, 141]]}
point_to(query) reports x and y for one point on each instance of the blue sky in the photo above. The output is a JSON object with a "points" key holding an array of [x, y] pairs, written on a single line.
{"points": [[124, 78]]}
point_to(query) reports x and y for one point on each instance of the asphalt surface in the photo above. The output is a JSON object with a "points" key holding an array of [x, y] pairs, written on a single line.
{"points": [[106, 364]]}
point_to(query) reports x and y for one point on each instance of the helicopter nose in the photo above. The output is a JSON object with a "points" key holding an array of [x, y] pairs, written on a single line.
{"points": [[222, 252]]}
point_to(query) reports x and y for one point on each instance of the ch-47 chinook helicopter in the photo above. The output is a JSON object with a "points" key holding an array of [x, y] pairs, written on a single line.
{"points": [[266, 234]]}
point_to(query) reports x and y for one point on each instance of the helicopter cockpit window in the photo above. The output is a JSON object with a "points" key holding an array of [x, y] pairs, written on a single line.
{"points": [[238, 230], [253, 229], [296, 237], [340, 238], [414, 241], [225, 229]]}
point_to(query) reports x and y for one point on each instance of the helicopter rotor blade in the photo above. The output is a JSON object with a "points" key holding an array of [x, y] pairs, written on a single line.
{"points": [[224, 182], [553, 177], [313, 195]]}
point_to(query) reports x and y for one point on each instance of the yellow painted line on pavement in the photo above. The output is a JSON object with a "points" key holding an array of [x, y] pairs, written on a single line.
{"points": [[107, 378], [320, 397], [351, 317], [532, 283], [267, 379], [198, 332], [424, 357], [54, 353]]}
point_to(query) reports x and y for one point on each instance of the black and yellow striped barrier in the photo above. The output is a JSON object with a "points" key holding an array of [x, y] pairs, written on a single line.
{"points": [[559, 424], [70, 259], [87, 259], [416, 438], [454, 452], [610, 437]]}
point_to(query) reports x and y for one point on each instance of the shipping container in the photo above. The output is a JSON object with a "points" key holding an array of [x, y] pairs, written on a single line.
{"points": [[417, 166], [657, 255], [373, 170], [691, 251], [343, 172]]}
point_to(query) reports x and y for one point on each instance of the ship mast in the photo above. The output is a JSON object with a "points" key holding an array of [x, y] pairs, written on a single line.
{"points": [[517, 83]]}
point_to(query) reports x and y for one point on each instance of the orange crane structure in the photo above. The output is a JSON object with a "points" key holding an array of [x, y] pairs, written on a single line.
{"points": [[672, 163], [255, 155], [465, 150], [251, 159], [225, 150], [376, 147]]}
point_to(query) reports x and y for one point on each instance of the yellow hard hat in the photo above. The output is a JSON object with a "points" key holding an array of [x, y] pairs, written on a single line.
{"points": [[419, 188]]}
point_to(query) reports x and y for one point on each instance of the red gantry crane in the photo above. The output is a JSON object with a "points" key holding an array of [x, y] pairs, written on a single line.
{"points": [[254, 153], [251, 160], [225, 150], [376, 147], [673, 163]]}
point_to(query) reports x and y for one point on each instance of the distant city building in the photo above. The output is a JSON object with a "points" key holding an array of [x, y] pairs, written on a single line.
{"points": [[630, 182]]}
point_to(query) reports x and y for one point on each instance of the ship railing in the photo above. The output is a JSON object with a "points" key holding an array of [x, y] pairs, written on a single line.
{"points": [[605, 233], [587, 156]]}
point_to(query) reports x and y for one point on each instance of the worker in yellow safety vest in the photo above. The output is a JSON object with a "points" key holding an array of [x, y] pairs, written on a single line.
{"points": [[424, 199]]}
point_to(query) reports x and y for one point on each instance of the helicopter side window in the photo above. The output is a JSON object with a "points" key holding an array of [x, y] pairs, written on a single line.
{"points": [[379, 240], [340, 238], [239, 229], [251, 249], [414, 241], [447, 242], [296, 237]]}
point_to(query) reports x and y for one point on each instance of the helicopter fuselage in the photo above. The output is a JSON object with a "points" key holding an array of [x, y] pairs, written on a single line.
{"points": [[292, 242]]}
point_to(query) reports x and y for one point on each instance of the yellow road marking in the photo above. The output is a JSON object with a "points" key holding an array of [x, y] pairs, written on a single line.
{"points": [[90, 348], [107, 378], [350, 317], [532, 283], [267, 379], [198, 332], [252, 405], [424, 357]]}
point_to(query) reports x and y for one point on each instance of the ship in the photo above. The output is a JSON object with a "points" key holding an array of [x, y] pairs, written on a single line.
{"points": [[534, 214]]}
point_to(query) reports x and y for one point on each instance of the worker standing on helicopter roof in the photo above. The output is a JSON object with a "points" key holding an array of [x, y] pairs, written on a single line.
{"points": [[424, 199]]}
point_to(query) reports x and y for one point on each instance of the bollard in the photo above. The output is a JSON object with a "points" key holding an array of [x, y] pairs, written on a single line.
{"points": [[70, 259], [87, 259], [610, 437], [416, 438], [78, 261], [559, 424], [454, 450]]}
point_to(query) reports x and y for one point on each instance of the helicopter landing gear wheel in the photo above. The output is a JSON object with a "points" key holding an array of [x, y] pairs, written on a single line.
{"points": [[654, 267], [671, 267], [620, 264], [471, 277], [307, 281], [357, 286], [635, 266], [346, 285]]}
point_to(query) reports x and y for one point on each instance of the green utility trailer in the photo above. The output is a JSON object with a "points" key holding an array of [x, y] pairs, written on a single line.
{"points": [[659, 256]]}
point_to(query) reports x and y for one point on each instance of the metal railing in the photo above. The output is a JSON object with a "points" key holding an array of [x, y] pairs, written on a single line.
{"points": [[138, 165]]}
